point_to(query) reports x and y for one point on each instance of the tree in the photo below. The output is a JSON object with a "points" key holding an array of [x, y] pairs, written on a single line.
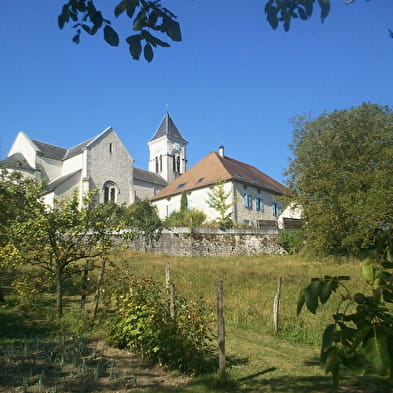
{"points": [[341, 175], [153, 23], [19, 200], [218, 200], [183, 202], [56, 239], [143, 220]]}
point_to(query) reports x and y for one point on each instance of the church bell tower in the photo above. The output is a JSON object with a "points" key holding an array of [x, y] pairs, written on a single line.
{"points": [[167, 151]]}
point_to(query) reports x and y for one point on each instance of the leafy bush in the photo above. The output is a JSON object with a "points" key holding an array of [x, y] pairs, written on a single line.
{"points": [[361, 336], [141, 322], [187, 218], [291, 240]]}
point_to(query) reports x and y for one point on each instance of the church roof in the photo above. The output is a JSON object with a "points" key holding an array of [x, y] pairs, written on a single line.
{"points": [[60, 153], [73, 151], [60, 180], [214, 168], [16, 161], [50, 151], [168, 128], [149, 177]]}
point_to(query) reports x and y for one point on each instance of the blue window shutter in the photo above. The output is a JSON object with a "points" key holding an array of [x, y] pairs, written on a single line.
{"points": [[245, 199]]}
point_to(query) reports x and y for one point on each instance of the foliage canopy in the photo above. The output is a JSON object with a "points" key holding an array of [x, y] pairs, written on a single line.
{"points": [[341, 175], [153, 24]]}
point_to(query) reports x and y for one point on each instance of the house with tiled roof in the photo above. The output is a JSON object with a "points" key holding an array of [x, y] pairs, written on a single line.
{"points": [[255, 196], [101, 162]]}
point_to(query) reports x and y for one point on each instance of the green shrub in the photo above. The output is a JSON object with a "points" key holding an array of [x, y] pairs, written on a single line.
{"points": [[291, 240], [187, 218], [141, 322]]}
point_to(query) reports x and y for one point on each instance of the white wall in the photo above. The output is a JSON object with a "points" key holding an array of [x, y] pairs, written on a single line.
{"points": [[72, 164], [23, 144], [197, 199]]}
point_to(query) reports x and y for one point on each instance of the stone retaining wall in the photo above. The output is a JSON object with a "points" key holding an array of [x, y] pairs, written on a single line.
{"points": [[212, 242]]}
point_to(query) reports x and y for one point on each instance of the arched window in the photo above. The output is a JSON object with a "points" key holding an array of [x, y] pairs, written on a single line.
{"points": [[156, 164], [178, 164], [110, 192], [160, 163]]}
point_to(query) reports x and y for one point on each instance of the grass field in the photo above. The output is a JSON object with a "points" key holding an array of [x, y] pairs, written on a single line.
{"points": [[257, 360]]}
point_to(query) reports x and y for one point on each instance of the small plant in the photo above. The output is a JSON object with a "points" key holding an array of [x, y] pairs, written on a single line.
{"points": [[40, 383]]}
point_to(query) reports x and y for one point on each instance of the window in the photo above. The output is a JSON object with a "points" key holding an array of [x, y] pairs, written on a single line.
{"points": [[174, 163], [110, 192], [247, 199], [167, 210], [160, 163], [156, 164], [110, 148], [181, 185], [276, 209], [178, 164], [259, 204]]}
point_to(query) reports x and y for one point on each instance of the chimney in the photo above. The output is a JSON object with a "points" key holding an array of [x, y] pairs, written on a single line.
{"points": [[221, 151]]}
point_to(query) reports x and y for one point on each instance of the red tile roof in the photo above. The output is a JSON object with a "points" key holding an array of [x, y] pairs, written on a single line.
{"points": [[214, 168]]}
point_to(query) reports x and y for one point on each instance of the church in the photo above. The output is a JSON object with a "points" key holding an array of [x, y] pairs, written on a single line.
{"points": [[102, 162]]}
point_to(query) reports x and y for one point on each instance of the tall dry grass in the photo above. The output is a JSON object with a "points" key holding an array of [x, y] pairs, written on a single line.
{"points": [[249, 285]]}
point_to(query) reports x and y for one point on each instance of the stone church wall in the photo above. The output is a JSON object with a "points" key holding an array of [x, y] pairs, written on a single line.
{"points": [[208, 242]]}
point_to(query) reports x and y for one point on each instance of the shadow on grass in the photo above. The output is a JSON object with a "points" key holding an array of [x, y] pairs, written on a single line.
{"points": [[302, 384], [317, 384], [17, 325]]}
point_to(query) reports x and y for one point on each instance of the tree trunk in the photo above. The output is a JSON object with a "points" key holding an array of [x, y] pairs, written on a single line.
{"points": [[59, 293], [98, 291], [2, 300], [85, 278]]}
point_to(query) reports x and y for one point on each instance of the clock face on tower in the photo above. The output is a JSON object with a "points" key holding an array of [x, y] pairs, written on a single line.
{"points": [[176, 147]]}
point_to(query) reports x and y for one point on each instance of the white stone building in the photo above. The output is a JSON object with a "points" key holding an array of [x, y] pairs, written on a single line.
{"points": [[255, 196]]}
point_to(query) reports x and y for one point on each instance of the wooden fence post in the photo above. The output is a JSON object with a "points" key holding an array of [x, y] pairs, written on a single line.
{"points": [[221, 331], [170, 287], [276, 306], [167, 275]]}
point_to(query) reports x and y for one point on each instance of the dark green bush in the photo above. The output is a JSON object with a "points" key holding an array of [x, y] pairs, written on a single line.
{"points": [[291, 240], [142, 323]]}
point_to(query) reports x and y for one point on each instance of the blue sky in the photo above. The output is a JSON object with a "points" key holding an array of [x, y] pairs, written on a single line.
{"points": [[232, 81]]}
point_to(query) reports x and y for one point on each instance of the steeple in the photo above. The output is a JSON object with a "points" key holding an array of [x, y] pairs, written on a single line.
{"points": [[167, 150], [168, 128]]}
